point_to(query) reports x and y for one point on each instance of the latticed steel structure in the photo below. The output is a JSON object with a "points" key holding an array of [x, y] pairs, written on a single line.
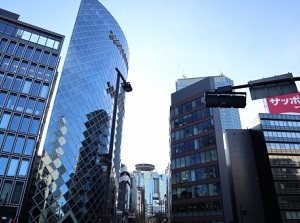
{"points": [[70, 182]]}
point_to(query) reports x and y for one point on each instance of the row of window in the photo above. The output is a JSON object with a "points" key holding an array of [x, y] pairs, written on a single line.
{"points": [[187, 119], [17, 144], [200, 190], [193, 130], [287, 185], [13, 167], [199, 102], [28, 52], [195, 175], [203, 157], [294, 146], [280, 123], [290, 215], [288, 173], [286, 135], [198, 210], [25, 68], [12, 192], [26, 86], [284, 160], [25, 104], [204, 141], [29, 35], [19, 123]]}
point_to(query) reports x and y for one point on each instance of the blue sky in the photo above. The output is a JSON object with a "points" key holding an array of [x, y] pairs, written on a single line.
{"points": [[246, 40]]}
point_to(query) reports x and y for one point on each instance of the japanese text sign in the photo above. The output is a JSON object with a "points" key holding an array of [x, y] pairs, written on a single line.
{"points": [[284, 104]]}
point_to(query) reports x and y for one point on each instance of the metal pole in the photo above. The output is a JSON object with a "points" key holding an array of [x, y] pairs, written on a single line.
{"points": [[106, 213]]}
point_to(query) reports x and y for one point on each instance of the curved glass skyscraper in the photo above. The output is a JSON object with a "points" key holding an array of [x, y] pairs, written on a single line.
{"points": [[70, 181]]}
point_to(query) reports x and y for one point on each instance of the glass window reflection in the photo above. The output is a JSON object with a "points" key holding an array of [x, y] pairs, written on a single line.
{"points": [[23, 168], [3, 163], [25, 124], [4, 120], [12, 167], [19, 144], [11, 102], [29, 146], [17, 193], [8, 144]]}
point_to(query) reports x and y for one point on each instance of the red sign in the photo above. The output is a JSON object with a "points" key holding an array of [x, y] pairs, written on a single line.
{"points": [[284, 104]]}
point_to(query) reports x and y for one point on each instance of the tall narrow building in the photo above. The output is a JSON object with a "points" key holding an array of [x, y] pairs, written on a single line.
{"points": [[29, 57], [70, 183], [200, 189]]}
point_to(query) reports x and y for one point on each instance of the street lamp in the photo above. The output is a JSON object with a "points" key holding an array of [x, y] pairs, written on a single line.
{"points": [[107, 158]]}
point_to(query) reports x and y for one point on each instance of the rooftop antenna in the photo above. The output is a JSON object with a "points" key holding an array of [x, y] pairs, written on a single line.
{"points": [[183, 75], [221, 72]]}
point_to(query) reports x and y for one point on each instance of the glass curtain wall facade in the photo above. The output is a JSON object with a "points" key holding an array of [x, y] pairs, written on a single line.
{"points": [[199, 180], [71, 179], [29, 58], [282, 138]]}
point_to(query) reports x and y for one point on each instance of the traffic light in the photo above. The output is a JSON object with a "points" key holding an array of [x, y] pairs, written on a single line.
{"points": [[225, 100]]}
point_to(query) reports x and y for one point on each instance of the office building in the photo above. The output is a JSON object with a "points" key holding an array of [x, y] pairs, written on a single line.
{"points": [[200, 186], [154, 187], [263, 160], [71, 181], [29, 57]]}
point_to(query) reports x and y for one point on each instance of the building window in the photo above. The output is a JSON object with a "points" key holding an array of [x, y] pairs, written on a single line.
{"points": [[37, 55], [23, 68], [8, 144], [8, 81], [17, 193], [29, 146], [26, 86], [19, 144], [3, 44], [2, 98], [11, 48], [20, 50], [15, 122], [45, 57], [23, 168], [4, 120], [28, 53], [17, 84], [34, 126], [3, 163], [12, 167], [25, 124], [6, 190], [39, 108], [21, 104], [11, 102], [44, 91], [14, 65]]}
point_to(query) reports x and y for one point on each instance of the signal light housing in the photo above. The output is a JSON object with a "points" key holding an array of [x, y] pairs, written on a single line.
{"points": [[225, 100]]}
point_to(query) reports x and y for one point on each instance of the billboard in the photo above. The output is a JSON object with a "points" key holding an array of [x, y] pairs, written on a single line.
{"points": [[284, 104]]}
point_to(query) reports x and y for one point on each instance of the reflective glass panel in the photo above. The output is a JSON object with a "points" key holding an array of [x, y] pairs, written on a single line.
{"points": [[17, 193], [8, 144], [20, 50], [17, 84], [4, 63], [30, 105], [11, 48], [6, 189], [11, 102], [34, 126], [15, 122], [35, 88], [3, 44], [26, 86], [37, 55], [39, 108], [14, 65], [25, 124], [7, 82], [23, 168], [12, 167], [19, 144], [10, 29], [3, 163], [4, 120], [28, 53], [40, 73], [53, 60], [44, 91], [31, 71], [49, 74], [23, 67], [2, 98], [21, 104], [29, 146], [45, 57]]}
